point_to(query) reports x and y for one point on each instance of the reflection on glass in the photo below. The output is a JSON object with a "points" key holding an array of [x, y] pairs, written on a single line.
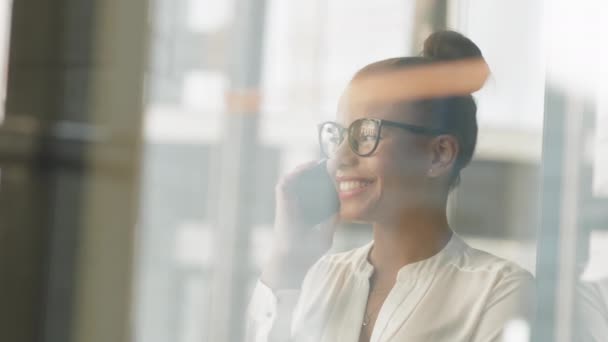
{"points": [[311, 51], [600, 166], [5, 24], [592, 284]]}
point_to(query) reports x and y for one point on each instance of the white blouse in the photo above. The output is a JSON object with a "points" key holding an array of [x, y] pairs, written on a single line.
{"points": [[459, 294], [592, 306]]}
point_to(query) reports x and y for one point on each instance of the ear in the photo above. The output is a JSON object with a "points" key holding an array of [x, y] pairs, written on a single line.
{"points": [[444, 151]]}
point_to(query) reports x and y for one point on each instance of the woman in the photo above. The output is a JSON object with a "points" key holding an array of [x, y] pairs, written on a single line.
{"points": [[398, 146]]}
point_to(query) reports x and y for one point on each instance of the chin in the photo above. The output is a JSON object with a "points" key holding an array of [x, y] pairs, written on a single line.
{"points": [[355, 215]]}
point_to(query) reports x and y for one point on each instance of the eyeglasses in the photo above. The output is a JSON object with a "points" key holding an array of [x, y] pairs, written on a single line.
{"points": [[363, 135]]}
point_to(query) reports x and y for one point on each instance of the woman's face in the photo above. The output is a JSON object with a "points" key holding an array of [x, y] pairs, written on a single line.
{"points": [[395, 177]]}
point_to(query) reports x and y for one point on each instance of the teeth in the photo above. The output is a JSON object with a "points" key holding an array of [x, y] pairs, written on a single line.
{"points": [[352, 185]]}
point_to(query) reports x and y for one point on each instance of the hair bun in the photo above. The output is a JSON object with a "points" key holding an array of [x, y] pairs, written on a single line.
{"points": [[449, 45]]}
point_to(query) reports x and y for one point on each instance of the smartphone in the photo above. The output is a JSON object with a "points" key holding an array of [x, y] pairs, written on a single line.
{"points": [[316, 193]]}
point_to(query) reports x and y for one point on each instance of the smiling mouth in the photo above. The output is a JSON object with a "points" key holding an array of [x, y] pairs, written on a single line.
{"points": [[352, 185], [350, 188]]}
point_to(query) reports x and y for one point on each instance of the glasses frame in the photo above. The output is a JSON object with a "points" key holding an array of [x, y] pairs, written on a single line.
{"points": [[415, 129]]}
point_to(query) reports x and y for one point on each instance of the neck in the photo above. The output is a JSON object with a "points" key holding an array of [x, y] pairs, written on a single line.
{"points": [[415, 235]]}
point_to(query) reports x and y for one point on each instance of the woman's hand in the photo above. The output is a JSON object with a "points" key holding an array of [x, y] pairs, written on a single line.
{"points": [[297, 245]]}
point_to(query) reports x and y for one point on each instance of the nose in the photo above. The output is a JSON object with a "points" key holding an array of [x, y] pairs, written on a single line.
{"points": [[343, 158]]}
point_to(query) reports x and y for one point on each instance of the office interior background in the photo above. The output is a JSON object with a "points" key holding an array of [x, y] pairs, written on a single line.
{"points": [[141, 140]]}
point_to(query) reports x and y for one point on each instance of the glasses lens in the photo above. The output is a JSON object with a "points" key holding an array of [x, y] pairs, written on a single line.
{"points": [[363, 136], [329, 138]]}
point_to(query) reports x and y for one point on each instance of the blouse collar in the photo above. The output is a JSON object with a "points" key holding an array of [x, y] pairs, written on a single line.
{"points": [[415, 270]]}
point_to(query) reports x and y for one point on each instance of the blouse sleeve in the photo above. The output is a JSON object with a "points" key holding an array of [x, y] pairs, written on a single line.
{"points": [[591, 321], [270, 313]]}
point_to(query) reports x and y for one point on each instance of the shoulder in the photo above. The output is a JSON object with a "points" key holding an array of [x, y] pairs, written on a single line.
{"points": [[494, 279], [478, 261], [354, 259], [349, 257], [342, 264], [500, 283]]}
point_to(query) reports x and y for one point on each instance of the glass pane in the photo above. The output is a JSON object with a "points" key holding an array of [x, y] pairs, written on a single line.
{"points": [[591, 300], [5, 25], [572, 303], [235, 93], [186, 89]]}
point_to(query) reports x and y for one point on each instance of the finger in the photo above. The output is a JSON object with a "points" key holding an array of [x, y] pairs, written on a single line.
{"points": [[288, 177], [299, 170], [306, 166]]}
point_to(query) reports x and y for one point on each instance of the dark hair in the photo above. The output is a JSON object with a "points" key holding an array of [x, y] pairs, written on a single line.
{"points": [[454, 114]]}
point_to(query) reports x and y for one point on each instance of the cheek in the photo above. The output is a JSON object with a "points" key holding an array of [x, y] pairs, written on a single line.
{"points": [[402, 176], [403, 163]]}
